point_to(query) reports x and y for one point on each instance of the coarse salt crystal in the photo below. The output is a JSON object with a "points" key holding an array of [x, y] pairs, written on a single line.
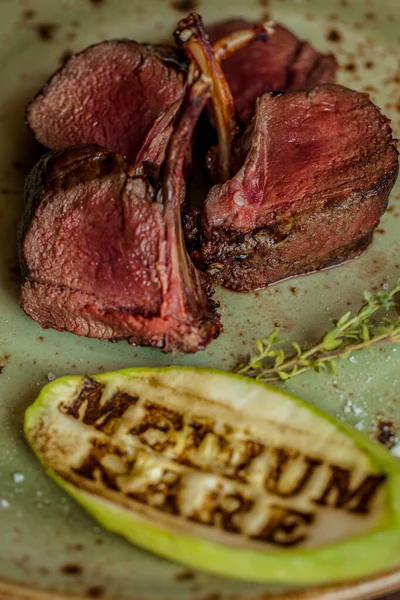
{"points": [[4, 503], [18, 477], [348, 407], [358, 411], [396, 450]]}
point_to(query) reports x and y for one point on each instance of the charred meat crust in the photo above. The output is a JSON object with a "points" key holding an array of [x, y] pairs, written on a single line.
{"points": [[251, 261]]}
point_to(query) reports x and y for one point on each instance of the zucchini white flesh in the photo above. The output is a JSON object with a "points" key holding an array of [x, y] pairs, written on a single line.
{"points": [[221, 473]]}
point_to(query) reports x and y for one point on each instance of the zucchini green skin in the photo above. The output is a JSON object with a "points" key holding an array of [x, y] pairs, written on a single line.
{"points": [[364, 555]]}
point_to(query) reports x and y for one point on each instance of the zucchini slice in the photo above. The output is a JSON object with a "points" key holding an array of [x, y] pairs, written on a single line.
{"points": [[222, 473]]}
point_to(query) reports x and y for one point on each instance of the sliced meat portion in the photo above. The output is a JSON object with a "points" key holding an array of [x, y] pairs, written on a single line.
{"points": [[102, 251], [309, 180], [313, 175], [118, 94], [284, 63]]}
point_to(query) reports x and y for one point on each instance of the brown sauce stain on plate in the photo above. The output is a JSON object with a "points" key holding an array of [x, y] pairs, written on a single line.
{"points": [[186, 575], [370, 88], [185, 5], [28, 14], [45, 31], [71, 569], [334, 35], [75, 547], [95, 591], [384, 432], [3, 361], [375, 266]]}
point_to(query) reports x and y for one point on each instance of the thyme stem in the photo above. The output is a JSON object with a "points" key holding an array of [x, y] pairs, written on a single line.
{"points": [[279, 359]]}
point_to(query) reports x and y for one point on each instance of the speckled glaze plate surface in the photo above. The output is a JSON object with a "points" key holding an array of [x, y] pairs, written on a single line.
{"points": [[49, 547]]}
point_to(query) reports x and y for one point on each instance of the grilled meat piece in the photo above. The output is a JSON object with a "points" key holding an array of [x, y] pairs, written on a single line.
{"points": [[118, 94], [312, 179], [102, 251], [284, 63], [305, 184]]}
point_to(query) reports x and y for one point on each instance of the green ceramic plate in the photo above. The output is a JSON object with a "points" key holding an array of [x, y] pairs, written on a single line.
{"points": [[47, 543]]}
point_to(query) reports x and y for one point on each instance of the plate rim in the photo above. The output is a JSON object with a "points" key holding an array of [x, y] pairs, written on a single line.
{"points": [[383, 583], [364, 589]]}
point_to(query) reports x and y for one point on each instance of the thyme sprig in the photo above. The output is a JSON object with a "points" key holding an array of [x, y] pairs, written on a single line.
{"points": [[279, 359]]}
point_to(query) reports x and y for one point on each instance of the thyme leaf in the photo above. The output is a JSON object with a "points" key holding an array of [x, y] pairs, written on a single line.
{"points": [[280, 359]]}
